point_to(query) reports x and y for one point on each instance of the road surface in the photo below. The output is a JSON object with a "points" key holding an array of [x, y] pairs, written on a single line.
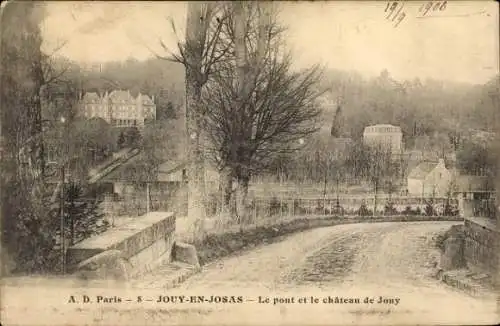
{"points": [[299, 280]]}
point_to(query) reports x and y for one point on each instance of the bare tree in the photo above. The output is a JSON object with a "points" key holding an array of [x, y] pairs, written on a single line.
{"points": [[259, 107], [199, 53], [379, 160]]}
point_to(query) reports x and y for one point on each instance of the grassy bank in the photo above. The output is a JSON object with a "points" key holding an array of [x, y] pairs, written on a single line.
{"points": [[236, 239]]}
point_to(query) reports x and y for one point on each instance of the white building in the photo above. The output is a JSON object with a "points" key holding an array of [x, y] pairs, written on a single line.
{"points": [[119, 108], [430, 179], [386, 135]]}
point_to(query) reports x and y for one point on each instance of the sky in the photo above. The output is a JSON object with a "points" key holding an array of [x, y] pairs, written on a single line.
{"points": [[458, 43]]}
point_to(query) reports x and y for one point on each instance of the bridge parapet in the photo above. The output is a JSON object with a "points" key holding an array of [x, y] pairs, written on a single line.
{"points": [[141, 245], [482, 244]]}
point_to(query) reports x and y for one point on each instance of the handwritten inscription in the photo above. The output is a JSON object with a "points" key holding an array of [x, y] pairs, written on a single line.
{"points": [[431, 6], [395, 10]]}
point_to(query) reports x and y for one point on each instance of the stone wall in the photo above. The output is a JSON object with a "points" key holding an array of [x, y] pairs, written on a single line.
{"points": [[144, 243], [481, 245]]}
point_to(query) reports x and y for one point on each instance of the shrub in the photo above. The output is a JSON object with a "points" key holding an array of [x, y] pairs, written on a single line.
{"points": [[29, 226], [408, 211], [364, 211], [320, 208], [338, 210], [274, 206], [212, 208], [450, 210], [389, 209], [429, 210], [298, 210]]}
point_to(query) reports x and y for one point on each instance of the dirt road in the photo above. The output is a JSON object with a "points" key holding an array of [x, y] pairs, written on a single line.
{"points": [[361, 273]]}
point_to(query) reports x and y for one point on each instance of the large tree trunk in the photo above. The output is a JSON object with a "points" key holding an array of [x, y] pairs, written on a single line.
{"points": [[240, 29], [195, 169], [226, 188], [242, 199]]}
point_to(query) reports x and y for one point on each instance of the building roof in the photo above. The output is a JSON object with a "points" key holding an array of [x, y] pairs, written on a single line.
{"points": [[381, 128], [91, 97], [118, 96], [145, 99], [422, 170], [132, 170], [473, 183]]}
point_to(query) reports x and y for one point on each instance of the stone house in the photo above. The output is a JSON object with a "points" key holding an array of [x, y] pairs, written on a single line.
{"points": [[129, 188], [430, 179], [128, 178]]}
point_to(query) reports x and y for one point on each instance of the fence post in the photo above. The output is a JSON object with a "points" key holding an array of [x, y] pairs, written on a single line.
{"points": [[255, 200], [268, 205], [281, 207]]}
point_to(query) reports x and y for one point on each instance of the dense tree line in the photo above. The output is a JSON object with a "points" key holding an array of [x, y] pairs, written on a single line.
{"points": [[26, 216], [419, 107]]}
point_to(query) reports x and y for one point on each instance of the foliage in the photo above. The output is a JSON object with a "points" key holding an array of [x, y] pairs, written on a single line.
{"points": [[477, 159], [161, 143], [166, 111], [83, 217], [274, 206], [28, 228], [130, 137], [389, 209], [419, 107], [410, 211], [429, 209], [450, 210], [338, 123], [22, 80], [364, 211]]}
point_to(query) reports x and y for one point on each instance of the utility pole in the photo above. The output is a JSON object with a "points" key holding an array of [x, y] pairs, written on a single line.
{"points": [[63, 236], [147, 197], [62, 199]]}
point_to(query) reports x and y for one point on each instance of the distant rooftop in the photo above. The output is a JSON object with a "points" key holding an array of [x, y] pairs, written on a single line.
{"points": [[422, 170], [381, 127]]}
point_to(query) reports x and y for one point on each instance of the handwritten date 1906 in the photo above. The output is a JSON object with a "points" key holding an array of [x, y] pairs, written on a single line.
{"points": [[432, 6], [396, 13]]}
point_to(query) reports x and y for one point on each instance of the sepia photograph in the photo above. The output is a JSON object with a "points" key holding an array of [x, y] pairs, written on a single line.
{"points": [[249, 163]]}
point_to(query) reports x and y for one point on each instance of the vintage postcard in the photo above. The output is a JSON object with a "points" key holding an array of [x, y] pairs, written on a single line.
{"points": [[249, 163]]}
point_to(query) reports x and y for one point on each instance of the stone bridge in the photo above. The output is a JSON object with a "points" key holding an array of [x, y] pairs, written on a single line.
{"points": [[133, 250]]}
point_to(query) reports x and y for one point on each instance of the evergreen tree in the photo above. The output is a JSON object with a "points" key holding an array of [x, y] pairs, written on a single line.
{"points": [[338, 123], [83, 217], [121, 141]]}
